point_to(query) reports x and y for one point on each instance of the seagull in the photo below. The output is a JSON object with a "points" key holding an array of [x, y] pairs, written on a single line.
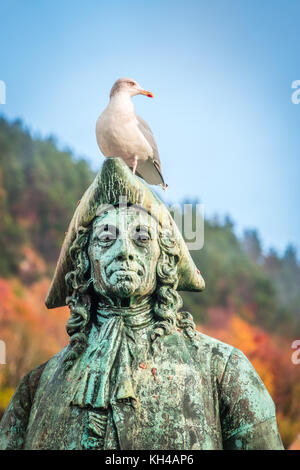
{"points": [[120, 132]]}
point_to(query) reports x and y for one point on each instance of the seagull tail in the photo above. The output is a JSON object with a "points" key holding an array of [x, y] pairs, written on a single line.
{"points": [[149, 171]]}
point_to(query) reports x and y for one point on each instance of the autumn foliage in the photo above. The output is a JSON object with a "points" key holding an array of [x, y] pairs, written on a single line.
{"points": [[31, 333]]}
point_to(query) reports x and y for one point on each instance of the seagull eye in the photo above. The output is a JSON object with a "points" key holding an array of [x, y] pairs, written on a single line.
{"points": [[131, 83]]}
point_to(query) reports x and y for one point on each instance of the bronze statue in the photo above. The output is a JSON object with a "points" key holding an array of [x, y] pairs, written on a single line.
{"points": [[136, 374]]}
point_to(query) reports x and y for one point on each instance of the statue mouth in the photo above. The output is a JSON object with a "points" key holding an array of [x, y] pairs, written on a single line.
{"points": [[127, 274], [122, 271]]}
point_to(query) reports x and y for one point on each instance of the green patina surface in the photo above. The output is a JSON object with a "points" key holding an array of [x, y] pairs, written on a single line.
{"points": [[205, 397], [136, 374]]}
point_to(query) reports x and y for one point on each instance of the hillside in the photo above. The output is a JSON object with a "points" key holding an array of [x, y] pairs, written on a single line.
{"points": [[251, 298]]}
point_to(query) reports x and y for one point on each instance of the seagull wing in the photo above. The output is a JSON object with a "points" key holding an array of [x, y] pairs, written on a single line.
{"points": [[150, 169]]}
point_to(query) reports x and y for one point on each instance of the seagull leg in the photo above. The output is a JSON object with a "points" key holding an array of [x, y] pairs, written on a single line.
{"points": [[134, 164]]}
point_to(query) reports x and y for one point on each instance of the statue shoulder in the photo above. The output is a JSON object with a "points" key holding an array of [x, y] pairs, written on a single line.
{"points": [[213, 352], [214, 344], [232, 369], [30, 382], [15, 419], [247, 411], [232, 372]]}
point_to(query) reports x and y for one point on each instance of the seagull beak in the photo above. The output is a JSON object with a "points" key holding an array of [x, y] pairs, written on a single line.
{"points": [[146, 93]]}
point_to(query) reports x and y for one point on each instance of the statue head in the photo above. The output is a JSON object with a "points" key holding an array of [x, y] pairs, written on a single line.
{"points": [[123, 258], [121, 254]]}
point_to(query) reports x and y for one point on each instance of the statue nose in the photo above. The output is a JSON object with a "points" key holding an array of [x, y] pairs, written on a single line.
{"points": [[125, 251]]}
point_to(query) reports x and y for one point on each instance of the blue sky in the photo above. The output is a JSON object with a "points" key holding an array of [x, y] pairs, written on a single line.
{"points": [[221, 72]]}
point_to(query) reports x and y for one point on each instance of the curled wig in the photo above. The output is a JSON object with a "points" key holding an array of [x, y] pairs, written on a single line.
{"points": [[167, 301]]}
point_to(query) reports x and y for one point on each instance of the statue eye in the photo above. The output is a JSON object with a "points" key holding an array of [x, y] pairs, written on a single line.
{"points": [[107, 234], [106, 237], [141, 235]]}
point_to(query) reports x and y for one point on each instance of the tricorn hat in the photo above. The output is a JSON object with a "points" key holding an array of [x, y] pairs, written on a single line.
{"points": [[115, 182]]}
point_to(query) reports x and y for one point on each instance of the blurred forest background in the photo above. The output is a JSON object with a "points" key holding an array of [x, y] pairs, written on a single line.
{"points": [[251, 300]]}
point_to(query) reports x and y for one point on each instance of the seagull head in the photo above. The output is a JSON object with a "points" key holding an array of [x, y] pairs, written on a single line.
{"points": [[130, 87]]}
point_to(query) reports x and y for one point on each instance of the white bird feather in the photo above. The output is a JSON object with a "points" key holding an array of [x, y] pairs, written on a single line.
{"points": [[122, 133]]}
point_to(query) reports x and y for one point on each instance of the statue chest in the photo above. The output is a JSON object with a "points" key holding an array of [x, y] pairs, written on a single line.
{"points": [[176, 407]]}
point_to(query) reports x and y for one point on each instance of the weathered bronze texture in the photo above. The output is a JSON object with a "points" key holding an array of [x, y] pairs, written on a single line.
{"points": [[136, 374]]}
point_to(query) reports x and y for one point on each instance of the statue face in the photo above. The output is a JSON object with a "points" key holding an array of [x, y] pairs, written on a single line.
{"points": [[123, 252]]}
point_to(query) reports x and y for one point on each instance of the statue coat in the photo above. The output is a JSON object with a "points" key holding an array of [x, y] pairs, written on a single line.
{"points": [[200, 394]]}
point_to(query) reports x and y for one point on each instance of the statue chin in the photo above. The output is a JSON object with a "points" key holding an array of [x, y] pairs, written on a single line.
{"points": [[124, 284], [125, 289]]}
